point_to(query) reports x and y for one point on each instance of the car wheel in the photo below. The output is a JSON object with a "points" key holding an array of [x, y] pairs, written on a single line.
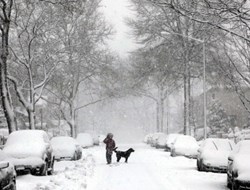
{"points": [[198, 165], [172, 154], [51, 171], [229, 184], [235, 186], [79, 156], [13, 185], [75, 156], [44, 169]]}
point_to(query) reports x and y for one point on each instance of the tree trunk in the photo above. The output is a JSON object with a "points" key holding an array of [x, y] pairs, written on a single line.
{"points": [[5, 99], [189, 102], [31, 115], [185, 106], [157, 117], [4, 89]]}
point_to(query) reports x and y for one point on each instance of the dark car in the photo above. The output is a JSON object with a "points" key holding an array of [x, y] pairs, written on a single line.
{"points": [[238, 173], [30, 150], [213, 154], [7, 173]]}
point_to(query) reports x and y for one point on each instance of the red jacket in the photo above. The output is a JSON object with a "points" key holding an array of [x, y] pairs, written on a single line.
{"points": [[110, 143]]}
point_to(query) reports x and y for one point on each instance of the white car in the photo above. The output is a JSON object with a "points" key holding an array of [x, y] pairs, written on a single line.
{"points": [[238, 173], [85, 140], [213, 154], [30, 150], [66, 148], [154, 138], [7, 173], [161, 141], [148, 138], [185, 145], [170, 139]]}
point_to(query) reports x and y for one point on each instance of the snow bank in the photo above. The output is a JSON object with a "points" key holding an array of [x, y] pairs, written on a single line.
{"points": [[68, 175], [85, 140]]}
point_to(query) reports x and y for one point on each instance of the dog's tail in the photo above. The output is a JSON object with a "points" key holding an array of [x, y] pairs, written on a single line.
{"points": [[115, 149]]}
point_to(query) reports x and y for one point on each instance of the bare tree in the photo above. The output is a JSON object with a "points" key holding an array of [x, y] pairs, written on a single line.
{"points": [[34, 51], [5, 22], [82, 31]]}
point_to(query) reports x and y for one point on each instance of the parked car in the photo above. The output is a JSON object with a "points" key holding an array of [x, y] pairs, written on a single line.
{"points": [[185, 145], [170, 139], [30, 150], [238, 173], [7, 173], [213, 154], [161, 141], [154, 138], [66, 148], [85, 140]]}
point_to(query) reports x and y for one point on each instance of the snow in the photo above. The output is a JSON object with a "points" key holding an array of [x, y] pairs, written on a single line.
{"points": [[152, 169], [85, 140], [69, 175], [25, 143], [147, 168], [185, 145], [64, 146]]}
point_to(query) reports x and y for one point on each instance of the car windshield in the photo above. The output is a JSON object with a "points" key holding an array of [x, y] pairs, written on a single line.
{"points": [[219, 144]]}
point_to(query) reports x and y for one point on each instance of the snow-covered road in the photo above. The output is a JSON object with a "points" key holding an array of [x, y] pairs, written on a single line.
{"points": [[147, 169], [152, 169]]}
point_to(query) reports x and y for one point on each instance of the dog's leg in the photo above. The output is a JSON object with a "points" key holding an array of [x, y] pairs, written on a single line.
{"points": [[118, 158]]}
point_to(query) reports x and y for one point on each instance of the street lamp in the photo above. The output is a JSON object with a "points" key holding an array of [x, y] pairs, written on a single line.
{"points": [[204, 75]]}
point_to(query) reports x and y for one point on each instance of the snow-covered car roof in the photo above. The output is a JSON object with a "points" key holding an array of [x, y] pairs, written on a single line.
{"points": [[26, 143], [85, 139], [184, 140]]}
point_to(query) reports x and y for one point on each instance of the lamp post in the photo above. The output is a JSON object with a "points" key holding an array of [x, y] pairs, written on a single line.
{"points": [[204, 75]]}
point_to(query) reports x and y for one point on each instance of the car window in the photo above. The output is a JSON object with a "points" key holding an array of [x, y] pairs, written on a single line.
{"points": [[224, 145], [209, 145]]}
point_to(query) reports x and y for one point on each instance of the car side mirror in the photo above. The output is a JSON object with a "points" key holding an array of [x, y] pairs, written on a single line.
{"points": [[4, 165], [230, 158]]}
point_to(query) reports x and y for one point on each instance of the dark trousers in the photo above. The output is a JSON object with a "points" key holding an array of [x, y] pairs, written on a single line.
{"points": [[109, 156]]}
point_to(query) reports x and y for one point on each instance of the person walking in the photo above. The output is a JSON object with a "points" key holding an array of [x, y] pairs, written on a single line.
{"points": [[110, 145]]}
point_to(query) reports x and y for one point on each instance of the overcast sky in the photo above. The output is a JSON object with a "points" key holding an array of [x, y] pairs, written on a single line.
{"points": [[116, 11]]}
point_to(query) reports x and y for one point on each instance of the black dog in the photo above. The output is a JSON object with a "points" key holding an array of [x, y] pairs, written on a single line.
{"points": [[124, 154]]}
